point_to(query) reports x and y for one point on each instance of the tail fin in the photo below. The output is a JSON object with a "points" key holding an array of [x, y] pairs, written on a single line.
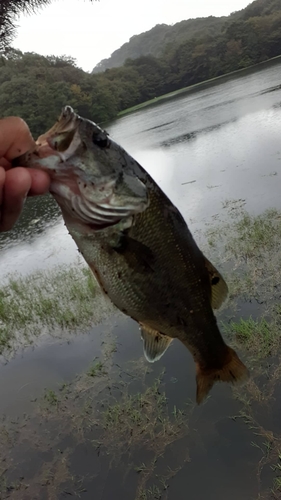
{"points": [[233, 371]]}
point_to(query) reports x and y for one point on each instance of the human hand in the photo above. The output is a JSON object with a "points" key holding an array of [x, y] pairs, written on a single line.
{"points": [[18, 183]]}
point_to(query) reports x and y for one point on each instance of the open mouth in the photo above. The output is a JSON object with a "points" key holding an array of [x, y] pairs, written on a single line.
{"points": [[59, 142], [63, 137]]}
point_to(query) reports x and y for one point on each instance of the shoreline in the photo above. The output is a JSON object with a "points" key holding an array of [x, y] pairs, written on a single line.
{"points": [[197, 86]]}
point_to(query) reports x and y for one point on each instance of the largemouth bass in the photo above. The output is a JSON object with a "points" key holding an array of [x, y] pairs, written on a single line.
{"points": [[138, 245]]}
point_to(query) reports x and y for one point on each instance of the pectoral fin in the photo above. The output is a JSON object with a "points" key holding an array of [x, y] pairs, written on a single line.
{"points": [[154, 343], [137, 255], [219, 288]]}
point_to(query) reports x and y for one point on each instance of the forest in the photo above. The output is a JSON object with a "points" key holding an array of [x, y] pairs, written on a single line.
{"points": [[155, 41], [37, 87]]}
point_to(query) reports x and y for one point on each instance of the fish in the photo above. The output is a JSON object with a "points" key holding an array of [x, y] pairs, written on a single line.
{"points": [[138, 246]]}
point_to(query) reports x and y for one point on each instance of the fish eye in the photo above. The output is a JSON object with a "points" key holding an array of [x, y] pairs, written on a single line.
{"points": [[100, 140]]}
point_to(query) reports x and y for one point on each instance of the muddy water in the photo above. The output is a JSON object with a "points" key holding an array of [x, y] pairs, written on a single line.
{"points": [[204, 149]]}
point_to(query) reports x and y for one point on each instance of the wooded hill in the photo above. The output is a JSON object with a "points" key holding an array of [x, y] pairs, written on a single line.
{"points": [[36, 87], [152, 42], [156, 41]]}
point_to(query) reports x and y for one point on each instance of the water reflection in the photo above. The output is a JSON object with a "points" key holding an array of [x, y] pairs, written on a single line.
{"points": [[50, 246], [271, 89], [158, 126], [39, 213], [195, 133]]}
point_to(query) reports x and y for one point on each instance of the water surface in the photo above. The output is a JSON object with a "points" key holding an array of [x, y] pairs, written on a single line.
{"points": [[205, 149]]}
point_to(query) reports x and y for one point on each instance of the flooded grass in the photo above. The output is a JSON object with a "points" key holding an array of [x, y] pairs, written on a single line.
{"points": [[255, 235], [143, 419], [122, 416], [64, 298], [261, 338], [96, 369], [100, 411], [250, 247]]}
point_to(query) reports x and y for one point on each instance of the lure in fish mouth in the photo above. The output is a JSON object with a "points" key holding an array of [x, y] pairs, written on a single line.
{"points": [[77, 154]]}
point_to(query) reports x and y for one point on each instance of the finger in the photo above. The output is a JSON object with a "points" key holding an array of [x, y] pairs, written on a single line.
{"points": [[5, 163], [2, 182], [15, 137], [17, 185], [40, 182]]}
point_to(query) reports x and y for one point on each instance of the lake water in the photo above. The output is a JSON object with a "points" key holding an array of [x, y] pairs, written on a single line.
{"points": [[204, 149]]}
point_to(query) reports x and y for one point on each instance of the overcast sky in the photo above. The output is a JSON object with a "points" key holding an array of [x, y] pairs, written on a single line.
{"points": [[90, 32]]}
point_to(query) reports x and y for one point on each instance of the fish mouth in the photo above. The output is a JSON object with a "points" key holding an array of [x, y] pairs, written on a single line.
{"points": [[60, 142], [61, 137]]}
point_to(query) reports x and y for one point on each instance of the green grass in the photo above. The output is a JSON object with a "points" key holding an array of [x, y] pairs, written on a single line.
{"points": [[276, 490], [260, 337], [247, 249], [170, 95], [89, 411], [277, 484], [246, 237], [51, 398], [141, 468], [250, 249], [254, 235], [136, 419], [277, 467], [96, 369], [64, 298], [191, 88]]}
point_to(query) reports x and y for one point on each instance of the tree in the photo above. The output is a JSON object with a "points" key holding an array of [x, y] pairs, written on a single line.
{"points": [[37, 87]]}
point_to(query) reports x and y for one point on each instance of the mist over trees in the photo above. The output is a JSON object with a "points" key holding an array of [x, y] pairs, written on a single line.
{"points": [[156, 41]]}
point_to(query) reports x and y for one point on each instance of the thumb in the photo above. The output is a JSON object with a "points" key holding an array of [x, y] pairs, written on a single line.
{"points": [[15, 138]]}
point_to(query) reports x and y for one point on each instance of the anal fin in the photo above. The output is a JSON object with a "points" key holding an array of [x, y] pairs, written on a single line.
{"points": [[154, 343]]}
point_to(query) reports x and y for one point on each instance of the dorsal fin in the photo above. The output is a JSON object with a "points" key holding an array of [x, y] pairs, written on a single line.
{"points": [[154, 343], [219, 288]]}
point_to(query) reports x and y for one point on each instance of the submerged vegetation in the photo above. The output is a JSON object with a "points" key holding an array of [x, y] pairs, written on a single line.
{"points": [[127, 418], [65, 298], [91, 413], [251, 245], [251, 249], [260, 337]]}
